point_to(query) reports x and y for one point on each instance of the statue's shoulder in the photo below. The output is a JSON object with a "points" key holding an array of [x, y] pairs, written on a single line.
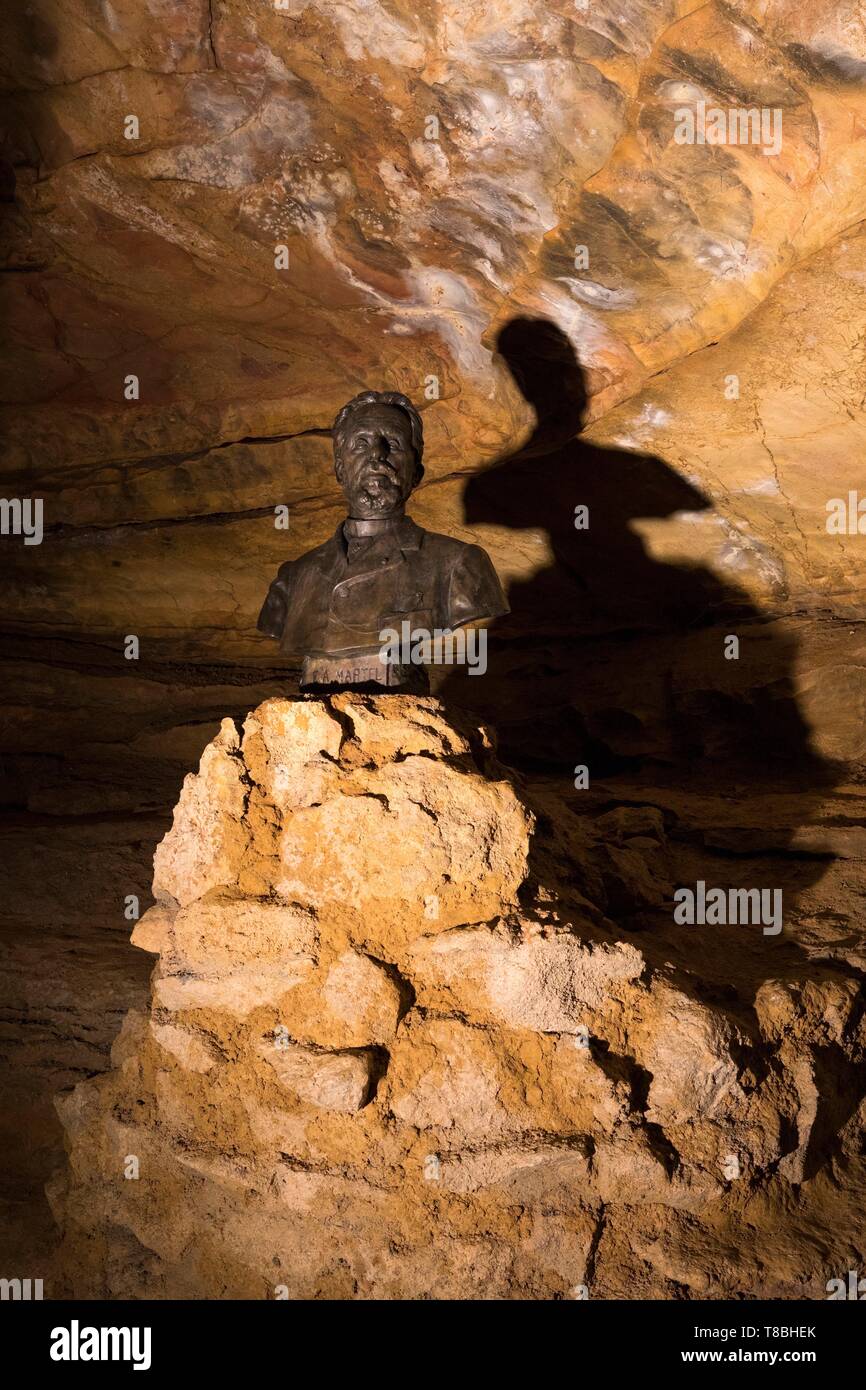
{"points": [[473, 590]]}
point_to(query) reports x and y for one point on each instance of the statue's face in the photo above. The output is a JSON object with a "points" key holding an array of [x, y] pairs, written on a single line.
{"points": [[376, 464]]}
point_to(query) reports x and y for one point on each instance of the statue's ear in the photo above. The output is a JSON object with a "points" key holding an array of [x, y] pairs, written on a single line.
{"points": [[338, 469], [419, 473]]}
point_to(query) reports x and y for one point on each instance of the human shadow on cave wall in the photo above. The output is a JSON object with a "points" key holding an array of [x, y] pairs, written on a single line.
{"points": [[609, 654], [614, 659]]}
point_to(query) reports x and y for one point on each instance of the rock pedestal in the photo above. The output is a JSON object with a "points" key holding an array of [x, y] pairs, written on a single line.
{"points": [[383, 1059]]}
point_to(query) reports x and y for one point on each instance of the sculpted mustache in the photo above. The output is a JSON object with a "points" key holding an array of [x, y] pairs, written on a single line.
{"points": [[379, 470]]}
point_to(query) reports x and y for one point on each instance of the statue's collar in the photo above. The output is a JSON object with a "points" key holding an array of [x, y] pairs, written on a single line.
{"points": [[402, 528], [375, 526]]}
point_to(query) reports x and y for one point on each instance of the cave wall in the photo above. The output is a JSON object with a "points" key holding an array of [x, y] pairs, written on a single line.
{"points": [[306, 126]]}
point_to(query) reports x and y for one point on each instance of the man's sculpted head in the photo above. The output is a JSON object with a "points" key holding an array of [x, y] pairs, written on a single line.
{"points": [[378, 445]]}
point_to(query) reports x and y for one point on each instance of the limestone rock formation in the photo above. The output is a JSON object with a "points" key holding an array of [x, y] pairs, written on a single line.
{"points": [[396, 1048]]}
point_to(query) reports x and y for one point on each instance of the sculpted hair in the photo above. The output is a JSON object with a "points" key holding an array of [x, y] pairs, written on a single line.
{"points": [[341, 425]]}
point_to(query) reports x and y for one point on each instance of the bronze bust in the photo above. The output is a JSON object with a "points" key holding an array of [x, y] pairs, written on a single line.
{"points": [[379, 570]]}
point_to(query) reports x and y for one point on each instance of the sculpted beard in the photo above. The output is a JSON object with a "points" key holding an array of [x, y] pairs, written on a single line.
{"points": [[378, 488]]}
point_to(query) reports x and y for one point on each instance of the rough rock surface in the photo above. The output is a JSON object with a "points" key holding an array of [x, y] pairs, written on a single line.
{"points": [[396, 1047], [307, 124]]}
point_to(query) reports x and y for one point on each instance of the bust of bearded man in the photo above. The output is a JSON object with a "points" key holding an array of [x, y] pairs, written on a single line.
{"points": [[379, 571]]}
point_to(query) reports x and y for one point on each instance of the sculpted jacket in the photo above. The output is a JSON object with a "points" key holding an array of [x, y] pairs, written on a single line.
{"points": [[338, 598]]}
